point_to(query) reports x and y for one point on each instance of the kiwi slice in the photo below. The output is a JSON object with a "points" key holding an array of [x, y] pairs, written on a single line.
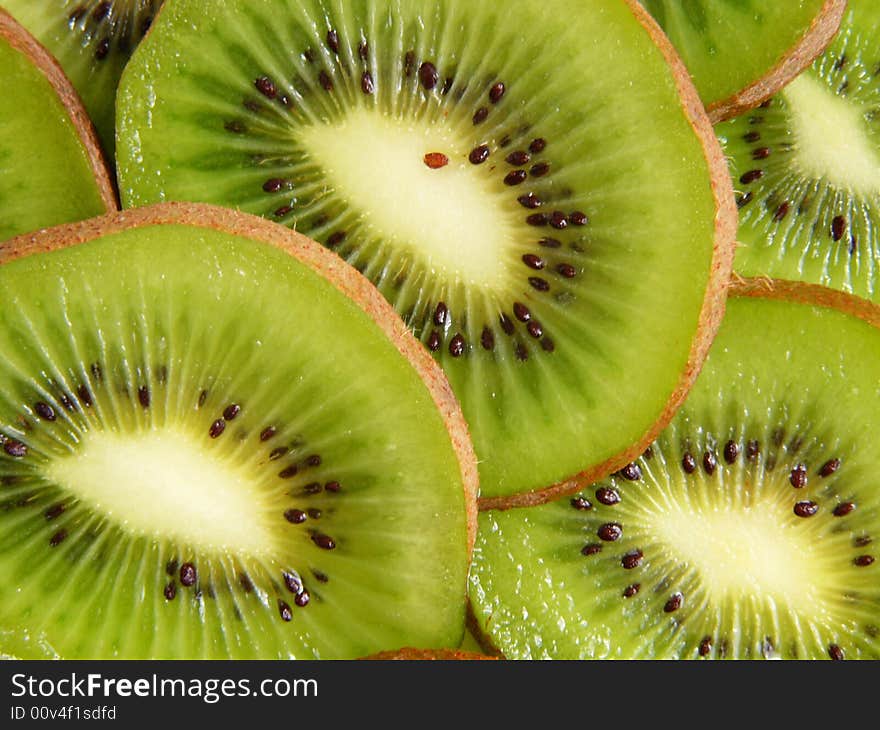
{"points": [[412, 655], [218, 441], [92, 39], [740, 52], [807, 168], [516, 212], [745, 531], [51, 168]]}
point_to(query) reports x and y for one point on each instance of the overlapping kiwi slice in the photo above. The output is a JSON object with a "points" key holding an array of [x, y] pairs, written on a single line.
{"points": [[92, 39], [51, 169], [748, 528], [807, 168], [218, 441], [561, 247], [740, 52]]}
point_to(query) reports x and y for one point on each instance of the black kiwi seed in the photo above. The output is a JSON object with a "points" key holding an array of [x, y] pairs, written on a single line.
{"points": [[61, 535], [481, 115], [610, 531], [188, 574], [333, 487], [533, 262], [325, 81], [457, 346], [530, 201], [591, 549], [102, 50], [314, 513], [231, 411], [325, 542], [674, 603], [479, 155], [302, 598], [705, 646], [608, 496], [428, 75], [434, 341], [731, 451], [829, 467], [367, 85], [550, 243], [285, 611], [751, 176], [632, 559], [535, 329], [516, 177], [862, 541], [54, 511], [292, 582], [295, 516], [781, 211], [538, 283], [762, 153], [537, 146], [547, 345], [566, 270], [333, 41], [218, 427], [798, 476], [15, 448], [540, 170], [278, 452], [538, 219], [335, 238], [44, 411], [266, 87], [289, 472], [835, 652], [806, 509], [144, 396], [170, 591], [631, 590], [312, 488], [506, 323], [838, 228], [518, 158], [521, 312], [753, 448], [689, 463], [497, 92], [521, 352], [843, 509], [578, 218], [267, 433], [85, 397], [709, 463], [441, 311], [632, 472], [487, 339], [581, 503], [863, 561]]}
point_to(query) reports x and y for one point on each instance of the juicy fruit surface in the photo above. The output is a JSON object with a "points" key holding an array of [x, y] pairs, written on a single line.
{"points": [[92, 40], [46, 177], [201, 458], [745, 531], [807, 168], [515, 213], [729, 44]]}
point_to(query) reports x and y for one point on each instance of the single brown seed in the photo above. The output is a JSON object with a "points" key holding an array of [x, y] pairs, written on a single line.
{"points": [[521, 312], [335, 239], [541, 169], [843, 509], [15, 448], [631, 590], [282, 211], [674, 603], [292, 582], [325, 542], [591, 549], [85, 396], [518, 158], [550, 243], [530, 201], [275, 184], [54, 511], [533, 262], [57, 538], [632, 559], [838, 227], [632, 472], [333, 487], [806, 509], [479, 155], [535, 329], [577, 218], [709, 463], [266, 87], [440, 314], [487, 339], [231, 411], [288, 472], [537, 146], [218, 427], [313, 460], [559, 220], [516, 177], [333, 41], [753, 448], [325, 81], [302, 598], [103, 49], [566, 270], [610, 531], [762, 153], [364, 50], [457, 346], [608, 496], [798, 476], [497, 92], [521, 352], [689, 463], [285, 611], [581, 503], [428, 75], [538, 283], [781, 212], [706, 646], [144, 396], [171, 567], [731, 451], [44, 411], [367, 84], [188, 574], [245, 582], [863, 561], [829, 467], [481, 115], [295, 516], [538, 219], [752, 137], [751, 176], [278, 452], [170, 591], [547, 345], [835, 652], [862, 541], [506, 323], [434, 341], [436, 160]]}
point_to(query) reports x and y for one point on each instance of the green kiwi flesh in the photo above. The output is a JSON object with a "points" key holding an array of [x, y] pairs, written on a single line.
{"points": [[807, 168], [746, 531], [51, 171], [739, 52], [516, 212], [217, 442], [92, 40]]}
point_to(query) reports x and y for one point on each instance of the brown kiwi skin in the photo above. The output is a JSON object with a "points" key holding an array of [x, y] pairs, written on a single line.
{"points": [[712, 312], [810, 46], [21, 40], [321, 260], [419, 655]]}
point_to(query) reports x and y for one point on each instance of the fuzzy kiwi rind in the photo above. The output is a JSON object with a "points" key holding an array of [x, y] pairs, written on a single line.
{"points": [[856, 551], [315, 258], [811, 45], [19, 38], [726, 221]]}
